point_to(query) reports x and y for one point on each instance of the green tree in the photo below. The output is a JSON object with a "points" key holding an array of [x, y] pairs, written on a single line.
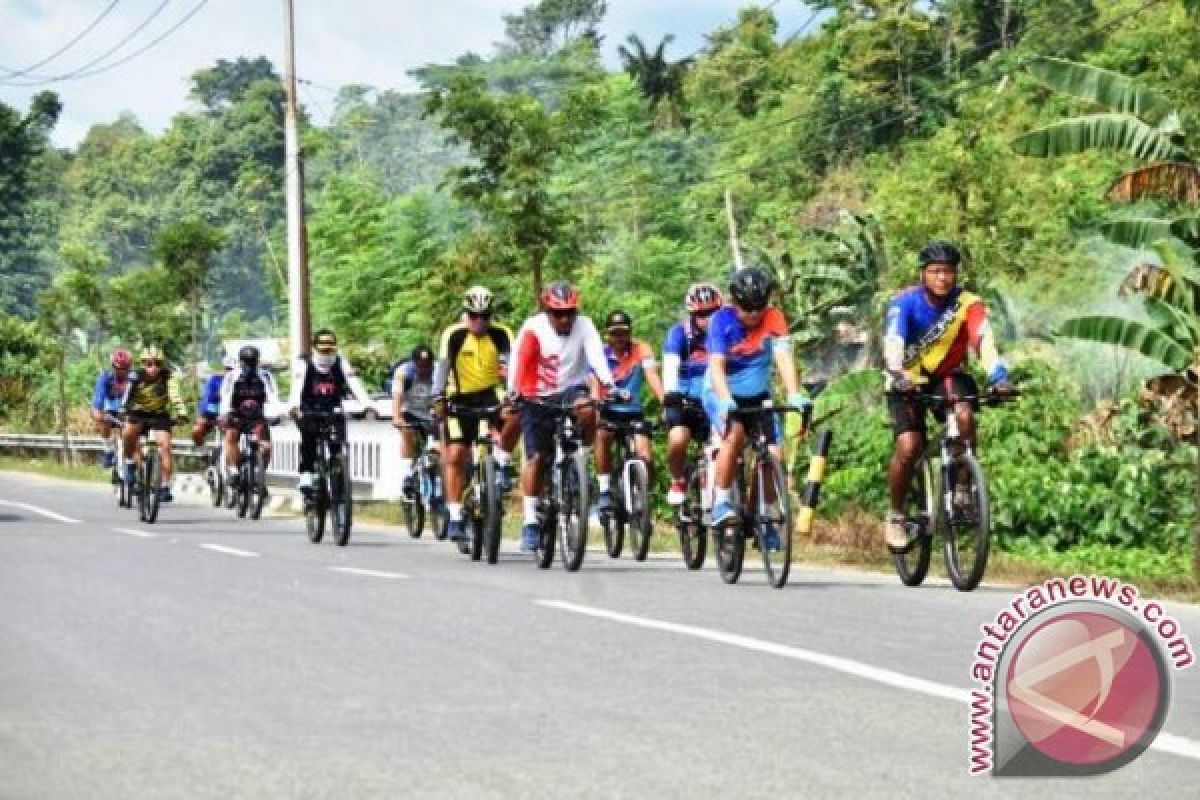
{"points": [[548, 26], [660, 81], [186, 250]]}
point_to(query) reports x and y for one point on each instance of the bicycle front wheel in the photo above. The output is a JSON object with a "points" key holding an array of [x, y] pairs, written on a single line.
{"points": [[151, 478], [729, 542], [245, 487], [639, 510], [493, 513], [573, 512], [314, 509], [612, 522], [921, 515], [689, 520], [777, 560], [967, 534], [341, 500], [258, 480]]}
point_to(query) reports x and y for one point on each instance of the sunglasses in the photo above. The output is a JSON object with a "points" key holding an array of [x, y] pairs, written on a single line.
{"points": [[564, 314], [704, 314], [942, 270]]}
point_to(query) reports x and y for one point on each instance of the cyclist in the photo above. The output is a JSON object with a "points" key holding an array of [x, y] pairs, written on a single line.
{"points": [[106, 399], [556, 352], [471, 369], [320, 380], [632, 363], [208, 407], [744, 339], [152, 402], [927, 333], [245, 397], [412, 404], [685, 360]]}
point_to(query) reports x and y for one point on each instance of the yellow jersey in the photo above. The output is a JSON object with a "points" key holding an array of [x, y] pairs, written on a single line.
{"points": [[475, 362]]}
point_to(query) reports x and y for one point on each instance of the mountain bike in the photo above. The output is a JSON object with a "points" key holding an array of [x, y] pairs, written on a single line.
{"points": [[333, 490], [689, 516], [757, 477], [429, 495], [122, 490], [251, 489], [964, 524], [563, 504], [630, 484], [147, 476], [482, 506]]}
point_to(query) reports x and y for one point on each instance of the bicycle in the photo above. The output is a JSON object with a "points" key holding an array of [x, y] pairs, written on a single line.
{"points": [[214, 474], [482, 506], [251, 489], [750, 498], [333, 488], [965, 528], [122, 490], [429, 490], [147, 477], [689, 516], [563, 503], [631, 490]]}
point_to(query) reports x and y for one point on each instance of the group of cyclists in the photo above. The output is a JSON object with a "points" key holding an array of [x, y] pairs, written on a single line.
{"points": [[720, 356]]}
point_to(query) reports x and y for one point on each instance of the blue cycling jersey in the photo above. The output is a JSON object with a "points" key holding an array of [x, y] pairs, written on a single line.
{"points": [[109, 392], [747, 351], [690, 344], [210, 398]]}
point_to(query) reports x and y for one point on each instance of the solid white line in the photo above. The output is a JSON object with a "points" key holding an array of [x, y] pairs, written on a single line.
{"points": [[373, 573], [229, 551], [42, 511], [1164, 743], [136, 532]]}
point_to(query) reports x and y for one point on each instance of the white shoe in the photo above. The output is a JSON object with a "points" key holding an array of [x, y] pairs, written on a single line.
{"points": [[676, 495], [895, 533], [306, 481]]}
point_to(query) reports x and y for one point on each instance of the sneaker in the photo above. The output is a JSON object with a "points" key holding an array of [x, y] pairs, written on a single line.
{"points": [[305, 484], [723, 513], [896, 532], [604, 503], [164, 494], [455, 530], [676, 494], [504, 479], [531, 537], [771, 538], [108, 460]]}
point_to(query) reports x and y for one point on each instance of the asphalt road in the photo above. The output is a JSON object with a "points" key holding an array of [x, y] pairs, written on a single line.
{"points": [[209, 657]]}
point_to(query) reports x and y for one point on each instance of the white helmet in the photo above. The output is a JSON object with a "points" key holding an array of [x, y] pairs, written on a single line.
{"points": [[477, 300]]}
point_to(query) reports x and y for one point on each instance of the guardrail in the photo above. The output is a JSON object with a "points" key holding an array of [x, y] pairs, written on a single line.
{"points": [[374, 452]]}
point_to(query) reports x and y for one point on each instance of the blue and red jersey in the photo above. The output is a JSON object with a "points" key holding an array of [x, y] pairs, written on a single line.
{"points": [[690, 344], [747, 351], [936, 339], [109, 392], [629, 371]]}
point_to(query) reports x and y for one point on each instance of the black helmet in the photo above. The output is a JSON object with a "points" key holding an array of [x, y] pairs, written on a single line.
{"points": [[751, 288], [939, 252], [248, 355], [618, 321]]}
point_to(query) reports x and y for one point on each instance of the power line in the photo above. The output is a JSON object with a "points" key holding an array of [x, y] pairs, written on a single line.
{"points": [[85, 71], [16, 73]]}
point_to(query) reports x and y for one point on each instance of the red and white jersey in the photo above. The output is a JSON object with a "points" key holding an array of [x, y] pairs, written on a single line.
{"points": [[546, 363]]}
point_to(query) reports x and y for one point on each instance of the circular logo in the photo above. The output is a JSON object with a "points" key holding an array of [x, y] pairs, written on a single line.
{"points": [[1087, 688]]}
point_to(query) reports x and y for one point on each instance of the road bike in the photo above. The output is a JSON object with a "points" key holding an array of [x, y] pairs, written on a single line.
{"points": [[563, 503], [964, 523], [429, 492], [630, 482], [483, 508], [332, 493]]}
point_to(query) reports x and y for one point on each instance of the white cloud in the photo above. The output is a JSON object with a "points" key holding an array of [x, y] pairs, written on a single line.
{"points": [[337, 42]]}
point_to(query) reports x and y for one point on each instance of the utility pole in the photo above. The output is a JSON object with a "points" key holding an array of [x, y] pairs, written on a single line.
{"points": [[297, 236]]}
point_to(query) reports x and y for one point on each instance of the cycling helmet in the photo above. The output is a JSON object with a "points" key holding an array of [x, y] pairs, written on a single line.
{"points": [[618, 321], [560, 296], [477, 300], [751, 288], [939, 252], [120, 359], [151, 353], [248, 356], [702, 297]]}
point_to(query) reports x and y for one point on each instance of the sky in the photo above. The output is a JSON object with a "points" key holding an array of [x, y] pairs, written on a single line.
{"points": [[337, 42]]}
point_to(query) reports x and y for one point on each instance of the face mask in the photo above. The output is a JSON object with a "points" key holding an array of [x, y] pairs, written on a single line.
{"points": [[324, 361], [476, 324]]}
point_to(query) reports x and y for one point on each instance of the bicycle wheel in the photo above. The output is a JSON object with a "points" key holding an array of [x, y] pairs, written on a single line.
{"points": [[314, 508], [493, 512], [922, 514], [259, 482], [613, 522], [412, 513], [689, 520], [967, 534], [150, 487], [573, 513], [341, 500], [245, 487], [729, 542], [777, 563], [548, 532], [439, 517], [639, 510], [475, 524], [215, 479]]}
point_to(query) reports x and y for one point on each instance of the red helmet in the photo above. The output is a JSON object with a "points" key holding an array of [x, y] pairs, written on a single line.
{"points": [[702, 297], [560, 296], [120, 359]]}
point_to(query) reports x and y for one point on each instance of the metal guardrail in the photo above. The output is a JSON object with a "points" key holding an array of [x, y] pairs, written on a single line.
{"points": [[81, 444]]}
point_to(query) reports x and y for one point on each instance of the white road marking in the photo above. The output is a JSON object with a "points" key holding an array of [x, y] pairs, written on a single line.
{"points": [[40, 511], [373, 573], [229, 551], [135, 532], [1164, 743]]}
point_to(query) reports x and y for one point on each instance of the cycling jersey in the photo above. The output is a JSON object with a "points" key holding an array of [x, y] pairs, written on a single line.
{"points": [[747, 351], [685, 359], [418, 391], [314, 390], [109, 391], [248, 393], [629, 372], [924, 340], [549, 364], [470, 362], [156, 397], [210, 396]]}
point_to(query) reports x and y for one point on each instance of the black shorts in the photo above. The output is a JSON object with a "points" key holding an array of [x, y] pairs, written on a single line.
{"points": [[464, 428], [690, 417], [908, 414], [537, 423], [424, 424], [257, 425], [150, 421]]}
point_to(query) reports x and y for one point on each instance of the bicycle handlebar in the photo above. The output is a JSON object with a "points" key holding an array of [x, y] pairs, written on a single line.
{"points": [[991, 398]]}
